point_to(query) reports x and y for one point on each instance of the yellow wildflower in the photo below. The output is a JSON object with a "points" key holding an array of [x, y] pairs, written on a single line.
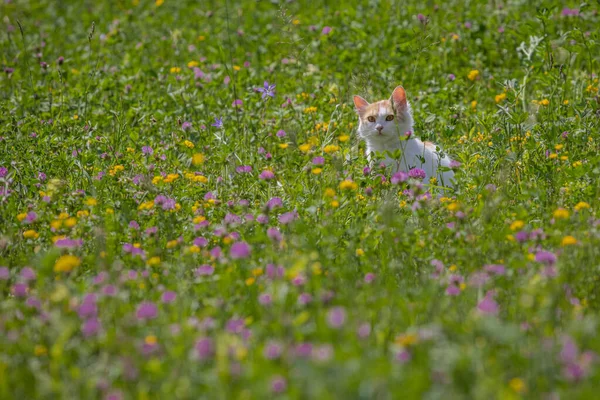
{"points": [[192, 64], [407, 339], [561, 213], [30, 234], [335, 204], [473, 74], [188, 144], [317, 171], [360, 252], [197, 158], [66, 263], [90, 201], [40, 350], [517, 385], [283, 145], [568, 240], [304, 147], [581, 205], [329, 192], [171, 244], [21, 216], [154, 261], [500, 97], [518, 224], [348, 184], [343, 138], [175, 70], [331, 148]]}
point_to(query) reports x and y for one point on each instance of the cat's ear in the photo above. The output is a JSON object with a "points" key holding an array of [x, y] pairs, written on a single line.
{"points": [[360, 103], [398, 98]]}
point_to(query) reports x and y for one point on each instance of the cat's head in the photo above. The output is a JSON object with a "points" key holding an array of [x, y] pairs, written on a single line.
{"points": [[384, 119]]}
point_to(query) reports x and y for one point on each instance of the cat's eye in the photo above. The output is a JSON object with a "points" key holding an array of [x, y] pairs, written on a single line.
{"points": [[371, 119], [389, 118]]}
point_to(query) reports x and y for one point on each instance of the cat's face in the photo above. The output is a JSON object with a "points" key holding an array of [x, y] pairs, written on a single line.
{"points": [[384, 119]]}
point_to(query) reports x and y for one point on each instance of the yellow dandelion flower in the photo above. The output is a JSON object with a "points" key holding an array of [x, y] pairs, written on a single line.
{"points": [[500, 97], [329, 192], [544, 102], [473, 74], [171, 244], [30, 234], [331, 148], [197, 158], [335, 204], [517, 385], [304, 147], [581, 205], [516, 225], [192, 64], [568, 240], [250, 281], [343, 138], [90, 201], [296, 22], [194, 249], [360, 252], [188, 144], [151, 340], [201, 38], [175, 70], [70, 222], [453, 206], [317, 171], [348, 184], [21, 217], [283, 145], [152, 261], [561, 213], [474, 104], [66, 263], [159, 3]]}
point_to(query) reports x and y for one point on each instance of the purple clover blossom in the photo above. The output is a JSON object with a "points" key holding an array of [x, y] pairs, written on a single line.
{"points": [[280, 133], [244, 169], [186, 126], [41, 176], [146, 310], [147, 150], [204, 348], [168, 297], [274, 203], [240, 250], [336, 317], [274, 234], [204, 270], [488, 305], [326, 30], [545, 257], [288, 217], [267, 90], [218, 123], [266, 175], [417, 173], [398, 177], [318, 161]]}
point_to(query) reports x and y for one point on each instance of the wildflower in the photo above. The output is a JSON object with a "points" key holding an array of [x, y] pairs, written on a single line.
{"points": [[545, 257], [175, 70], [204, 270], [146, 310], [188, 144], [561, 213], [336, 317], [488, 305], [218, 123], [31, 234], [267, 90], [278, 384], [326, 30], [568, 240], [168, 297], [204, 348], [240, 250], [581, 205], [398, 177], [266, 175], [331, 148], [348, 185], [500, 97], [66, 263], [197, 158], [473, 74], [516, 225], [288, 217], [417, 173], [517, 385]]}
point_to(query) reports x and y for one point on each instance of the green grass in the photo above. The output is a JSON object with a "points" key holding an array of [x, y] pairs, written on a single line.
{"points": [[357, 308]]}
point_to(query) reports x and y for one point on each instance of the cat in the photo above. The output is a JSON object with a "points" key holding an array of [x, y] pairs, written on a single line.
{"points": [[388, 125]]}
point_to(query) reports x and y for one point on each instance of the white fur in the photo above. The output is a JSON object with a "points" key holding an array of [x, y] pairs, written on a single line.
{"points": [[393, 137]]}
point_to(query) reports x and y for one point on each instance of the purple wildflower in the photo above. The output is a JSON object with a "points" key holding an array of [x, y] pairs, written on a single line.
{"points": [[146, 310], [218, 123], [147, 150], [488, 305], [398, 177], [240, 250], [417, 173], [336, 317], [267, 90], [204, 348], [266, 175]]}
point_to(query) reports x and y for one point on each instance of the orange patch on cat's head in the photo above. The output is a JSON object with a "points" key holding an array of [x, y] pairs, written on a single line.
{"points": [[396, 105]]}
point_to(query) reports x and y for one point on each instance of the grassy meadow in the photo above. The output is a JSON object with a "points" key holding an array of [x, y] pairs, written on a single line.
{"points": [[186, 211]]}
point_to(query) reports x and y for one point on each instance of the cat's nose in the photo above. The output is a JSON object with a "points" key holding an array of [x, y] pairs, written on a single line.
{"points": [[379, 128]]}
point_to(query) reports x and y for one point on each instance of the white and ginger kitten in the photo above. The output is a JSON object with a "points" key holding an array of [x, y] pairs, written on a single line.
{"points": [[387, 125]]}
